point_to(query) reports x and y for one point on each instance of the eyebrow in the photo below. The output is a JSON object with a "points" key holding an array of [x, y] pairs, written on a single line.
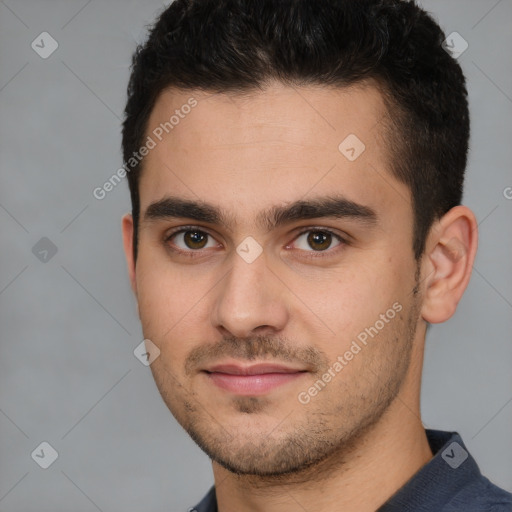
{"points": [[199, 211]]}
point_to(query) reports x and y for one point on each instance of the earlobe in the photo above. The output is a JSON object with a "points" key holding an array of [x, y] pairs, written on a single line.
{"points": [[448, 262], [127, 229]]}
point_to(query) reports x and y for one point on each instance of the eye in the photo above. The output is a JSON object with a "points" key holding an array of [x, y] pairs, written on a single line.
{"points": [[317, 239], [187, 239]]}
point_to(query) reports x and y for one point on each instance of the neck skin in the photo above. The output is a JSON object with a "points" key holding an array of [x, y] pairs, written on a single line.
{"points": [[377, 466]]}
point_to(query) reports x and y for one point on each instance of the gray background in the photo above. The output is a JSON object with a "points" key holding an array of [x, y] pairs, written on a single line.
{"points": [[69, 326]]}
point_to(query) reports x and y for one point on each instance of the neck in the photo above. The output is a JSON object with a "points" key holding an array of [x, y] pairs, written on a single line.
{"points": [[360, 479]]}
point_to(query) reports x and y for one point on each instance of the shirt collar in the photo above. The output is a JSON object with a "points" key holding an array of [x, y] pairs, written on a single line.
{"points": [[450, 469]]}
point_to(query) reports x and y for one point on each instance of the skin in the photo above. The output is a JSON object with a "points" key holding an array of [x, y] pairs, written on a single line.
{"points": [[360, 438]]}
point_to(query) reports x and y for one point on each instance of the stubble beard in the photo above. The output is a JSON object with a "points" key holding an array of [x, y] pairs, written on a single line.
{"points": [[327, 431]]}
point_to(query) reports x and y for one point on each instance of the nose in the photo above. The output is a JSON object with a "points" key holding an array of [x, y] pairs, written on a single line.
{"points": [[250, 300]]}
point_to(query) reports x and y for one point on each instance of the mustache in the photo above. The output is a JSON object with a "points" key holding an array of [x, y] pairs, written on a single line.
{"points": [[257, 347]]}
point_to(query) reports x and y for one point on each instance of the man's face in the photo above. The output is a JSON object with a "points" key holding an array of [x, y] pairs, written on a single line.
{"points": [[333, 278]]}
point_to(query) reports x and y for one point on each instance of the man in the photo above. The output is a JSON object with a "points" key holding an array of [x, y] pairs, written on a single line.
{"points": [[296, 174]]}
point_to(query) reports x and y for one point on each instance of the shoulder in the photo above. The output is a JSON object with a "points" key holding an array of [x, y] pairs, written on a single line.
{"points": [[480, 495]]}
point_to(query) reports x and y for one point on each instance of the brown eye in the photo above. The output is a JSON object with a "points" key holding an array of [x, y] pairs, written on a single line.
{"points": [[319, 240], [190, 240], [195, 239]]}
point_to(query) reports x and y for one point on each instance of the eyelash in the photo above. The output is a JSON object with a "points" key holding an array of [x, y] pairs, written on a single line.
{"points": [[183, 229], [313, 254]]}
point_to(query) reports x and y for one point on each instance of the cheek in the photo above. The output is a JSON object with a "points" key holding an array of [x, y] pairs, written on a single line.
{"points": [[169, 306], [344, 302], [175, 306], [164, 291]]}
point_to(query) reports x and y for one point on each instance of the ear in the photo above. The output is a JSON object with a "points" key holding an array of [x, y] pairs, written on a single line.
{"points": [[127, 227], [450, 251]]}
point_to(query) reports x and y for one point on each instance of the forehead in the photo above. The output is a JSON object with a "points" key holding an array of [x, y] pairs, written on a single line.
{"points": [[263, 148], [315, 114]]}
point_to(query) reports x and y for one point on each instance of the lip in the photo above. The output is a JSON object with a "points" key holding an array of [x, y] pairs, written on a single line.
{"points": [[256, 379], [253, 369]]}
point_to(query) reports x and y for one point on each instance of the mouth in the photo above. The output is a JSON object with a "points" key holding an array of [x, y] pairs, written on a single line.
{"points": [[256, 379]]}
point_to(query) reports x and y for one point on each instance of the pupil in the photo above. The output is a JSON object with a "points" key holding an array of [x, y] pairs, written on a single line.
{"points": [[195, 239], [318, 240]]}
